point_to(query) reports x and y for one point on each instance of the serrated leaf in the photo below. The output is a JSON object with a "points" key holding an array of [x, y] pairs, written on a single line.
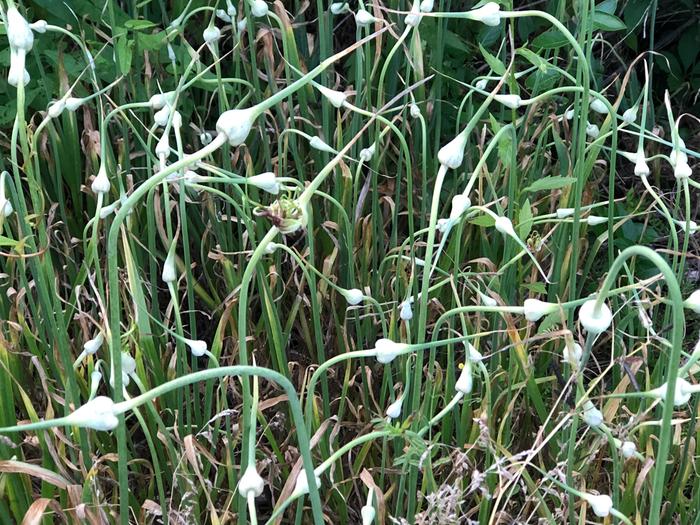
{"points": [[494, 63], [550, 183]]}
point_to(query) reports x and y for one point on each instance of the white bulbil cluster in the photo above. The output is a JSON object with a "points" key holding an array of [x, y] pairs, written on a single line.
{"points": [[265, 181], [197, 347], [488, 14], [592, 130], [366, 154], [601, 504], [258, 8], [93, 345], [363, 18], [386, 350], [451, 154], [692, 302], [302, 484], [353, 296], [97, 414], [628, 449], [509, 101], [426, 6], [536, 309], [236, 124], [169, 274], [630, 115], [211, 35], [101, 184], [595, 322], [6, 208], [591, 415], [251, 483], [336, 98], [465, 381], [573, 353], [681, 393], [338, 8], [318, 144], [599, 106], [394, 410], [406, 310], [21, 40], [368, 514]]}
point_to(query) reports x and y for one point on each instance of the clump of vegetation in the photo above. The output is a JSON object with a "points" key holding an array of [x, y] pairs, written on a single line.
{"points": [[297, 263]]}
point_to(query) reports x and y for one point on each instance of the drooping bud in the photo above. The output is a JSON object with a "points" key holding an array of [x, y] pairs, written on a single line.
{"points": [[601, 505], [693, 302], [591, 415], [592, 130], [364, 19], [197, 347], [251, 483], [258, 8], [630, 115], [353, 296], [628, 449], [336, 98], [394, 410], [101, 182], [599, 106], [488, 14], [595, 322], [451, 154], [265, 181], [536, 309], [211, 35], [236, 124], [406, 310], [465, 382], [93, 345], [509, 101], [338, 8], [681, 394], [97, 414], [387, 350]]}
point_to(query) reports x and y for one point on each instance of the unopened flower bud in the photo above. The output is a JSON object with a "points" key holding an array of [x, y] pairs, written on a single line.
{"points": [[364, 19], [451, 154], [488, 14], [595, 322], [265, 181], [536, 309], [97, 414], [101, 182], [250, 483], [386, 350], [236, 124]]}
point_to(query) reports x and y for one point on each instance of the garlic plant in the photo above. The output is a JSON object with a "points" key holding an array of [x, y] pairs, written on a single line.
{"points": [[240, 263]]}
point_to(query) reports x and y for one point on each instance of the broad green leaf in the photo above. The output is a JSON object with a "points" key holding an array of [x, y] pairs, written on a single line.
{"points": [[606, 22], [608, 6], [494, 63], [525, 220], [551, 39], [138, 25], [483, 220], [533, 58], [550, 183]]}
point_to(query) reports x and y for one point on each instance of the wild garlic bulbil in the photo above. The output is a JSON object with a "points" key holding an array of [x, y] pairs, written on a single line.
{"points": [[251, 483], [451, 155], [236, 124], [595, 319], [601, 504], [536, 309], [97, 414], [488, 14], [387, 350]]}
